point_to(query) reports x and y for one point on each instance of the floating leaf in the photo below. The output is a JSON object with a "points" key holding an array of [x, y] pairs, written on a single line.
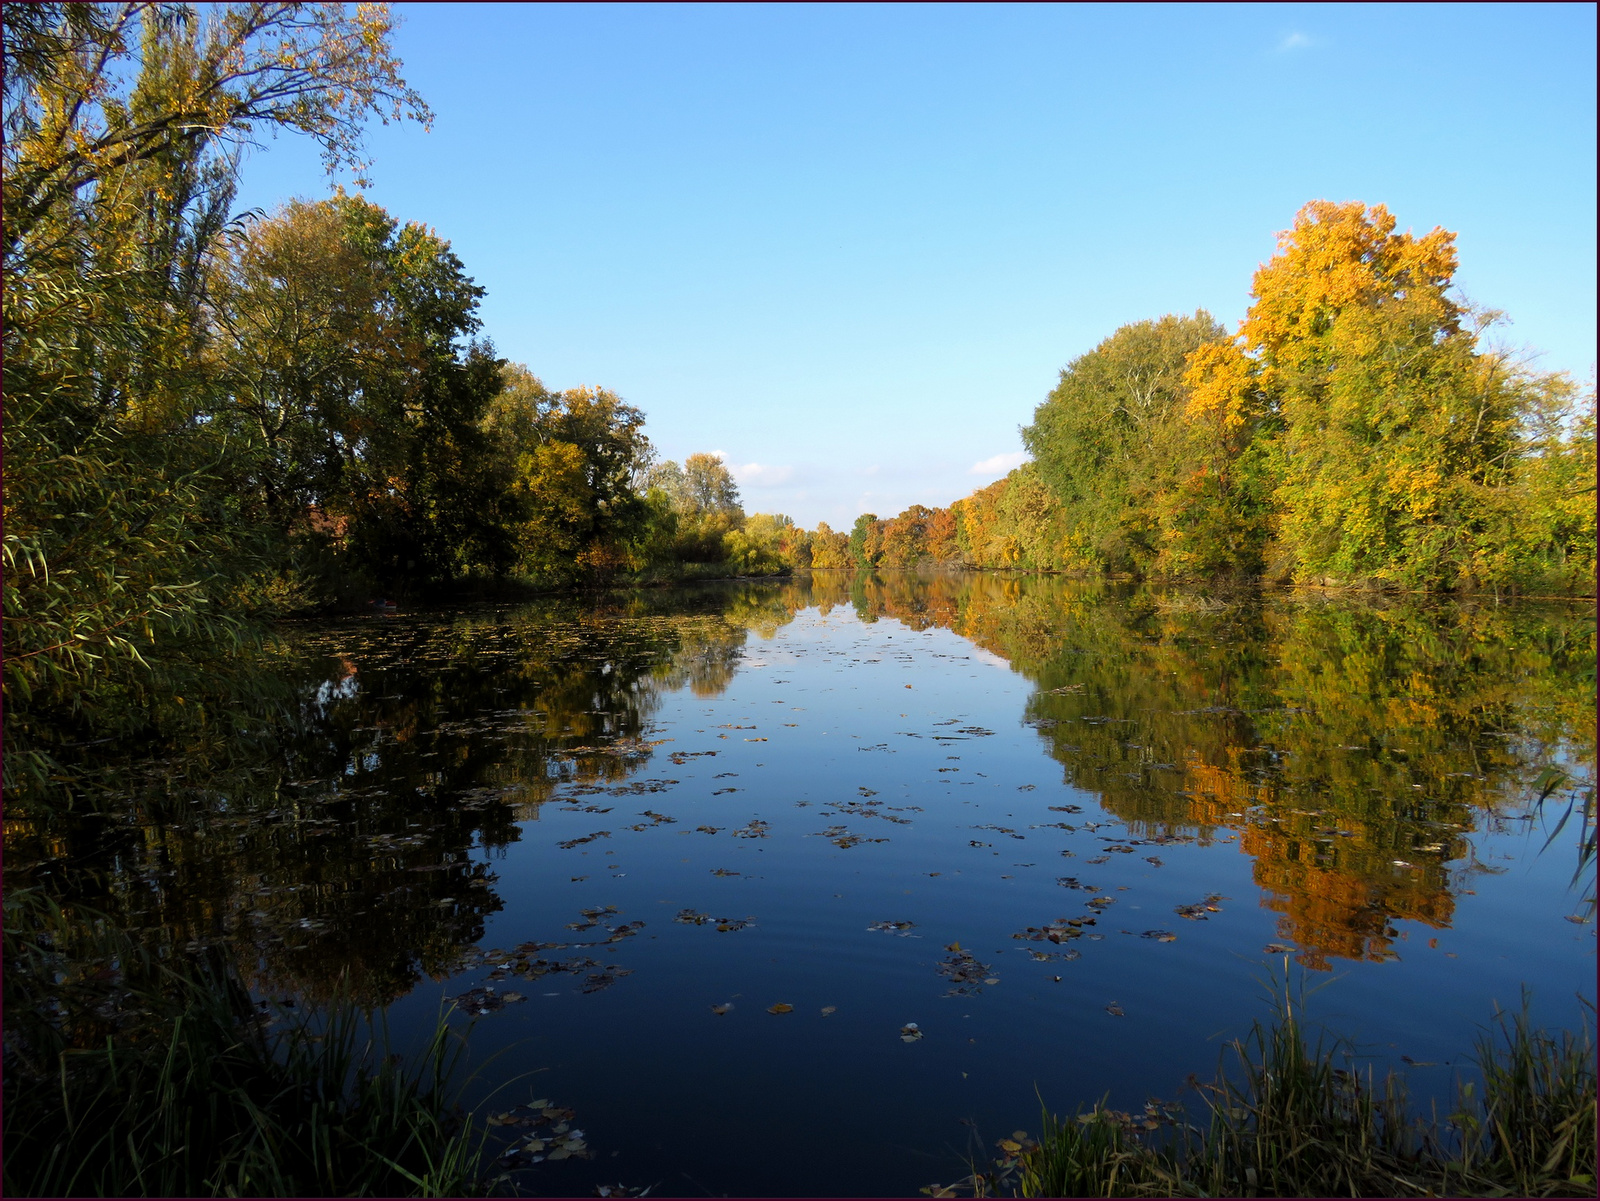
{"points": [[780, 1007], [909, 1033], [719, 1010], [903, 929], [827, 1009]]}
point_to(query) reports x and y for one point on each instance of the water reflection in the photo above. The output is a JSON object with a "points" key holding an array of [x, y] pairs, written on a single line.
{"points": [[339, 858], [1352, 749]]}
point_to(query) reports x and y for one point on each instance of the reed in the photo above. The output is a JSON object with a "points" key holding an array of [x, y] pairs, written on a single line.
{"points": [[1289, 1117]]}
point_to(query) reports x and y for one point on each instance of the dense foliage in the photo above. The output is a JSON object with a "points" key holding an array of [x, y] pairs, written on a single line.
{"points": [[1359, 429], [214, 420]]}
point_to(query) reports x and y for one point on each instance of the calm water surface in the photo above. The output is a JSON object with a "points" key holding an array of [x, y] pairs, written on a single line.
{"points": [[1066, 830]]}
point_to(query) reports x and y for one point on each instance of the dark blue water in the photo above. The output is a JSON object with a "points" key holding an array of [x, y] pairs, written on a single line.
{"points": [[1073, 835]]}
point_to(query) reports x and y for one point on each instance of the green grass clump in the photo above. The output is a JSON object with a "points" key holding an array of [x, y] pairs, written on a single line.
{"points": [[135, 1078], [1285, 1118]]}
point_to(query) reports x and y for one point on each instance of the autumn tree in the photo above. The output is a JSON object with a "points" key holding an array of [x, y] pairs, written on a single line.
{"points": [[1392, 423], [573, 464], [830, 549], [123, 544], [1106, 441], [705, 503], [866, 540]]}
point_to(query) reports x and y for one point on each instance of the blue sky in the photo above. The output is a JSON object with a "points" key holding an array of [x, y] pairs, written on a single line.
{"points": [[851, 247]]}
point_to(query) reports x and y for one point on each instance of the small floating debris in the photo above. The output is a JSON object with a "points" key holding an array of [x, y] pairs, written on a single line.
{"points": [[909, 1033], [1198, 911], [966, 974], [903, 929]]}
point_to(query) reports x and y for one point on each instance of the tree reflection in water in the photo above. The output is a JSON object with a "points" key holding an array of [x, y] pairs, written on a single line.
{"points": [[1353, 748]]}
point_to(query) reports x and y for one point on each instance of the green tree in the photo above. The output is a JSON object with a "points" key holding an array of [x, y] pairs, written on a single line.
{"points": [[704, 499], [342, 341], [866, 540], [574, 464], [1106, 439], [124, 544]]}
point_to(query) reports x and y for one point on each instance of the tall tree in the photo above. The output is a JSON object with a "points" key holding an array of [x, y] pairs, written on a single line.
{"points": [[574, 464], [1392, 423], [122, 544], [1104, 438], [342, 339], [704, 500]]}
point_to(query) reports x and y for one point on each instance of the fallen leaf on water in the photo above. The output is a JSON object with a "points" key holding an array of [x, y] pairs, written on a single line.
{"points": [[1115, 1010], [780, 1007], [1160, 935], [1278, 948], [903, 929], [719, 1010], [827, 1009], [909, 1032]]}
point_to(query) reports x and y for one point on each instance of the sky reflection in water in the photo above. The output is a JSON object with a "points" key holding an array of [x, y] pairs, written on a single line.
{"points": [[981, 834]]}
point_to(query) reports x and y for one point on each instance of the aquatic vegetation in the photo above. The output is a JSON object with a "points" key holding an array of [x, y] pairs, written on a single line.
{"points": [[1288, 1117]]}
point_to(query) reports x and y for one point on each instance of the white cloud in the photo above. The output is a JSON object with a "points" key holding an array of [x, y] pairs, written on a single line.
{"points": [[999, 464], [1295, 41], [761, 475], [989, 657]]}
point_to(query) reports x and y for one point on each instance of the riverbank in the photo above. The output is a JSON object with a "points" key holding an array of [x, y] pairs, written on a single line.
{"points": [[1288, 1117]]}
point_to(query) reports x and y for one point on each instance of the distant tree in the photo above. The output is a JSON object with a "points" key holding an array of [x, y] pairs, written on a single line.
{"points": [[756, 548], [866, 540], [705, 503], [572, 463], [905, 538], [830, 549]]}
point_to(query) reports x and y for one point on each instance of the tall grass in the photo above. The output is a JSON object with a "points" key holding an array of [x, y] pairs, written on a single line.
{"points": [[135, 1078], [1286, 1117]]}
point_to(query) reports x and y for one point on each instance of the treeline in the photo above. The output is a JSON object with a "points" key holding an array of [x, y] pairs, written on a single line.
{"points": [[1357, 430], [213, 419]]}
